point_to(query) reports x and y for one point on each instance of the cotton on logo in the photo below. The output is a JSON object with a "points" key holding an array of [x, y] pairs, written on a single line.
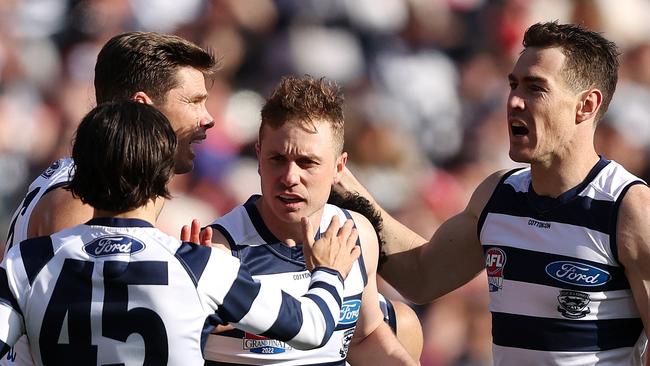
{"points": [[495, 262]]}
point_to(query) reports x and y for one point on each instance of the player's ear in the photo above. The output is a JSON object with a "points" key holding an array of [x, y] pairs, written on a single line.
{"points": [[341, 160], [589, 105], [142, 97]]}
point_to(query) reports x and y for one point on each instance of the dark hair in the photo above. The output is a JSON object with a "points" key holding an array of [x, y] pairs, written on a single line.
{"points": [[305, 100], [147, 62], [355, 202], [591, 60], [123, 156]]}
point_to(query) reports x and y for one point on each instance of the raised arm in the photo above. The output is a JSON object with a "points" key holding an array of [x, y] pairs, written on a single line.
{"points": [[633, 240], [424, 270], [305, 322]]}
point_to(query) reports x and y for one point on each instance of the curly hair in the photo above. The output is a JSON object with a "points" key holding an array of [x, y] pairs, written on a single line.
{"points": [[305, 100], [357, 203]]}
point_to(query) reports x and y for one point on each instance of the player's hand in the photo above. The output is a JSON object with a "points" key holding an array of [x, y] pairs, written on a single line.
{"points": [[347, 183], [222, 328], [335, 249], [193, 234]]}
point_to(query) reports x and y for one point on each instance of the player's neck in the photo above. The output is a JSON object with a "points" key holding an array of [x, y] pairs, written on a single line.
{"points": [[148, 212], [554, 179]]}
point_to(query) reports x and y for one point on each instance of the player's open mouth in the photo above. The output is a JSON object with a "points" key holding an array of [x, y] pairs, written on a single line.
{"points": [[198, 139], [518, 129], [290, 199]]}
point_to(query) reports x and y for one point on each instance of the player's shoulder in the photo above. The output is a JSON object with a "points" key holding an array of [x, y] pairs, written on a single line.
{"points": [[484, 191], [361, 222], [635, 204], [56, 210]]}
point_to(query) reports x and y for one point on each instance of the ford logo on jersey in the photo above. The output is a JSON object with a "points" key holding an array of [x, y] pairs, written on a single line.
{"points": [[579, 274], [113, 245], [350, 311]]}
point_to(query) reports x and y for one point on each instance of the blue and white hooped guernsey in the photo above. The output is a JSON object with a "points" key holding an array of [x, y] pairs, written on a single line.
{"points": [[58, 174], [273, 263], [82, 293], [558, 294]]}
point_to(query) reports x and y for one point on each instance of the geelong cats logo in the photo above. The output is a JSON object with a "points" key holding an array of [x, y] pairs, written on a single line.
{"points": [[573, 304]]}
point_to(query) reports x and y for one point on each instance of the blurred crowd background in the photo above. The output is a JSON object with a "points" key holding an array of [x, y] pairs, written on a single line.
{"points": [[425, 84]]}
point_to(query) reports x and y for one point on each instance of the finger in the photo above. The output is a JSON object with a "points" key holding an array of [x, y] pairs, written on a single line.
{"points": [[333, 227], [355, 253], [307, 242], [307, 232], [351, 242], [195, 233], [206, 237], [185, 233], [346, 229]]}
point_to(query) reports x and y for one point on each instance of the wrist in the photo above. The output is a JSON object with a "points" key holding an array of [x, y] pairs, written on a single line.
{"points": [[330, 271]]}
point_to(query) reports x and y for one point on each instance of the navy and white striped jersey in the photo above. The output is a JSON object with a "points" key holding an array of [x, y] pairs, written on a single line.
{"points": [[56, 175], [274, 264], [558, 294], [119, 291]]}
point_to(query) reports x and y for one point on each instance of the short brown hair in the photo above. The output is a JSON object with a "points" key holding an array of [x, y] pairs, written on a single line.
{"points": [[148, 62], [591, 60], [123, 156], [305, 100]]}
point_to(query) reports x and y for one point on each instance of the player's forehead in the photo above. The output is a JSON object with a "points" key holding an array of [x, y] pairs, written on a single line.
{"points": [[298, 139], [190, 82], [539, 64]]}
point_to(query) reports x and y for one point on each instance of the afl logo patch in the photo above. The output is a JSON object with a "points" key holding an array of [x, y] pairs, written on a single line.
{"points": [[349, 312], [113, 245], [495, 262], [51, 169], [578, 274]]}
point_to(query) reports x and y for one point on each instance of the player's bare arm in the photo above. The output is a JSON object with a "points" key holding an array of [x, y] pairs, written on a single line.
{"points": [[409, 329], [423, 271], [373, 339], [633, 240]]}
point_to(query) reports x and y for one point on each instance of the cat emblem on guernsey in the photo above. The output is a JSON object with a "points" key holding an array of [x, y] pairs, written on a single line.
{"points": [[113, 245], [495, 262], [578, 274]]}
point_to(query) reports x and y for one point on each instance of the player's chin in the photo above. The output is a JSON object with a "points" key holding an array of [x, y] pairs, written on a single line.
{"points": [[185, 165], [291, 216], [519, 156]]}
